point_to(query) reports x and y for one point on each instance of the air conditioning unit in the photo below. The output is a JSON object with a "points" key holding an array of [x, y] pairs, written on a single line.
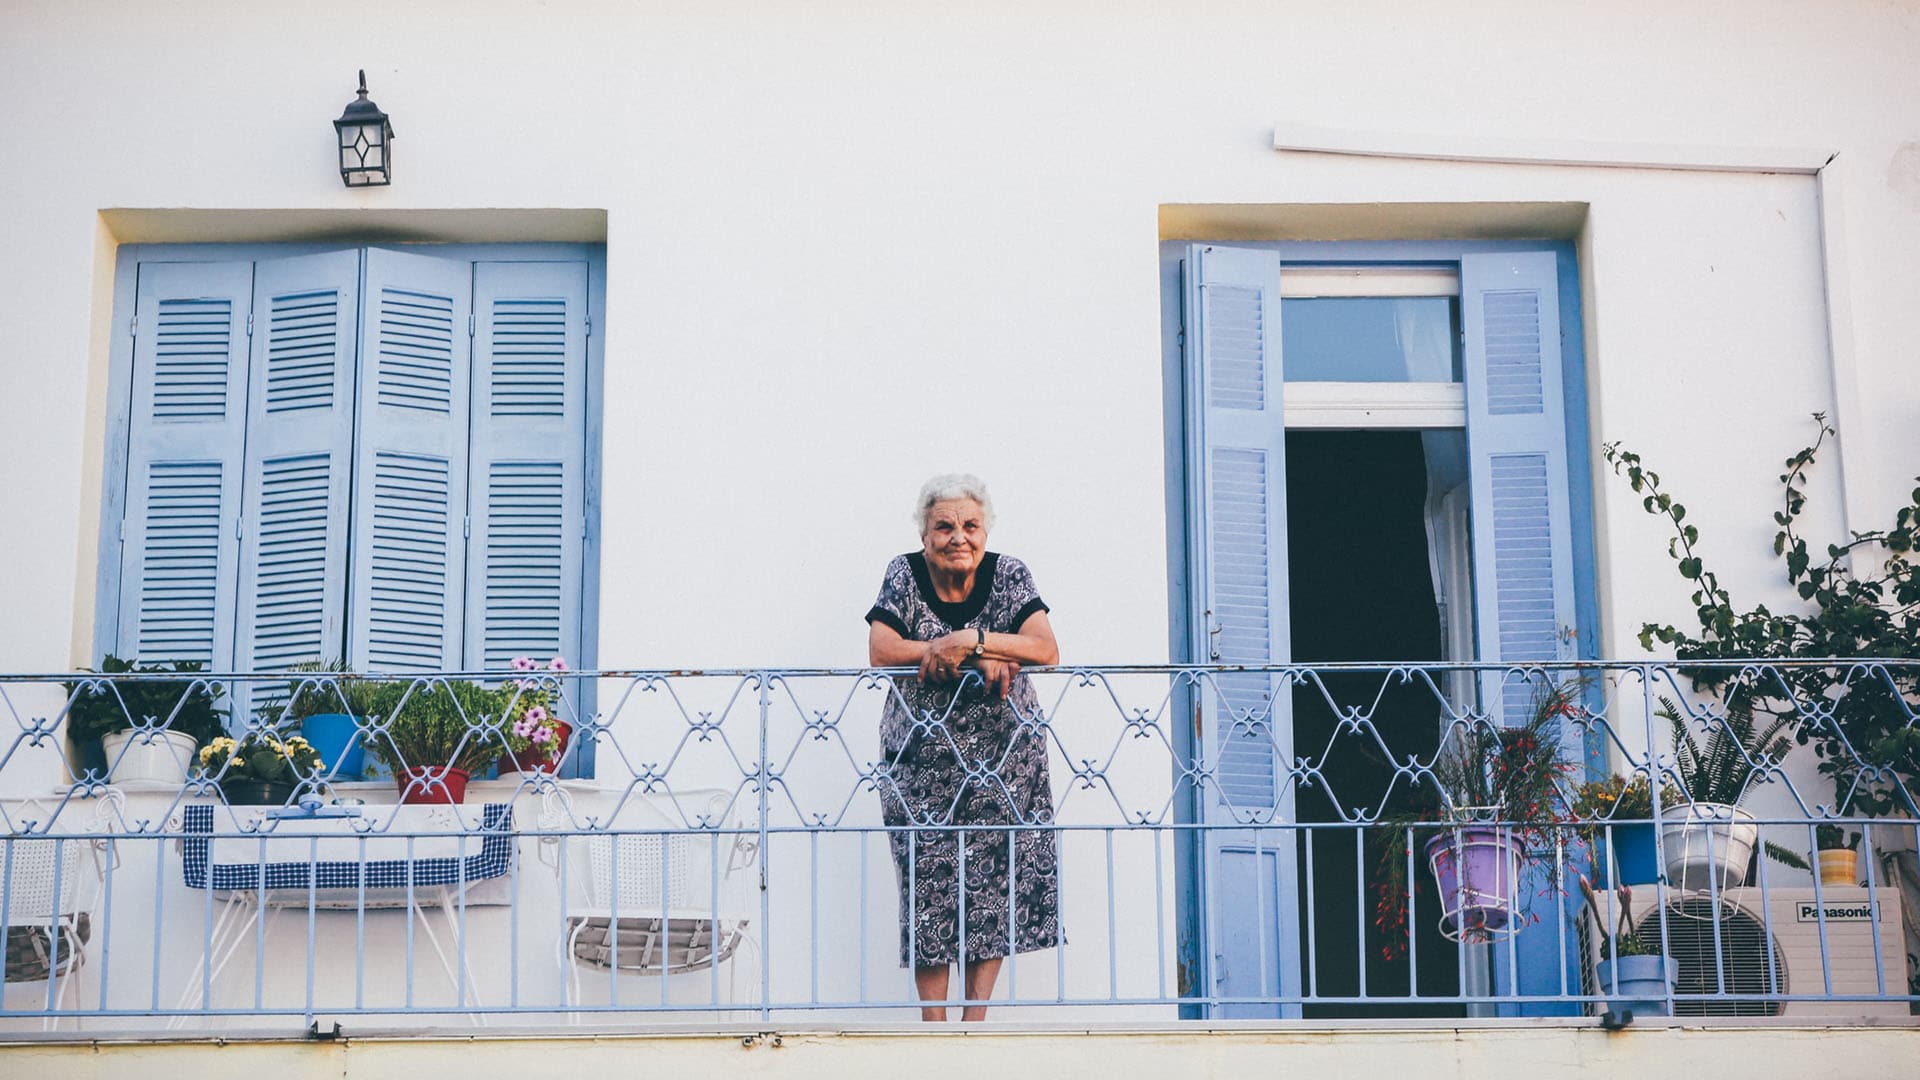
{"points": [[1762, 948]]}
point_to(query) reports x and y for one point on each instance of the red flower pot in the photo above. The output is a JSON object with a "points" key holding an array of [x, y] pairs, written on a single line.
{"points": [[432, 784], [537, 760]]}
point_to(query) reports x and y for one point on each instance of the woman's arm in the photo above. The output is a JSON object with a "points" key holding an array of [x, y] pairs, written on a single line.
{"points": [[1032, 644], [886, 648]]}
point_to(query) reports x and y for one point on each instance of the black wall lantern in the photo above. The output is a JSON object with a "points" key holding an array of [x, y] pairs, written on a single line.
{"points": [[366, 142]]}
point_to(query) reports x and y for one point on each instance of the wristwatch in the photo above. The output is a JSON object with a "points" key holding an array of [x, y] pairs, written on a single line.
{"points": [[980, 647]]}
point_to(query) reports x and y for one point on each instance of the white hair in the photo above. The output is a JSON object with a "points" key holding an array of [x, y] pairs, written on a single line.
{"points": [[952, 486]]}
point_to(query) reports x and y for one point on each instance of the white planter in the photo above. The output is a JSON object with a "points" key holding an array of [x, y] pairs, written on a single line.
{"points": [[1708, 845], [149, 755]]}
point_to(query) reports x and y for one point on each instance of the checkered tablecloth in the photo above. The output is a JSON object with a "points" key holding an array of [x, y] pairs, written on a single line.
{"points": [[388, 851]]}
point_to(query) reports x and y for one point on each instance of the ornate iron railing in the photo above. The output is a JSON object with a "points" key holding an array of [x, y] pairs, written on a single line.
{"points": [[1284, 842]]}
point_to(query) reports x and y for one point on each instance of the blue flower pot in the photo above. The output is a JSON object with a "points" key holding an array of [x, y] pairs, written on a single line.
{"points": [[1635, 857], [336, 736], [1644, 983]]}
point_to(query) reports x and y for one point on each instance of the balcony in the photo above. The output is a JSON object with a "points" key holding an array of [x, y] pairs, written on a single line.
{"points": [[1285, 848]]}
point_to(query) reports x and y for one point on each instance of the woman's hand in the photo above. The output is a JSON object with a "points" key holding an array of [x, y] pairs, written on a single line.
{"points": [[999, 675], [946, 655]]}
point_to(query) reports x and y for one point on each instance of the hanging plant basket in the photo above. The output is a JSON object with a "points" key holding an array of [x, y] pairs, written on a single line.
{"points": [[1708, 846], [1477, 868]]}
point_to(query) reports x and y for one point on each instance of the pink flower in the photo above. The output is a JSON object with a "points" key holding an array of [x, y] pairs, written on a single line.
{"points": [[544, 736], [558, 663], [524, 663], [536, 715], [524, 729]]}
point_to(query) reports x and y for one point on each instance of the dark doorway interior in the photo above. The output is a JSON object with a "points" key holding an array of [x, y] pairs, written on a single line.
{"points": [[1362, 589]]}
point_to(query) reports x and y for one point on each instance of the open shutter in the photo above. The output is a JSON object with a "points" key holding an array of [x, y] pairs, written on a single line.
{"points": [[1516, 437], [410, 473], [527, 488], [1234, 380], [186, 439], [293, 563], [1243, 487]]}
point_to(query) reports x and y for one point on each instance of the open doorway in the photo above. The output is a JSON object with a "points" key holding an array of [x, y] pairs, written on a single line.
{"points": [[1377, 562]]}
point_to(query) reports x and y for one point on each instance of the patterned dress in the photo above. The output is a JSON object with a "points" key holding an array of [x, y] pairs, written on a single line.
{"points": [[966, 759]]}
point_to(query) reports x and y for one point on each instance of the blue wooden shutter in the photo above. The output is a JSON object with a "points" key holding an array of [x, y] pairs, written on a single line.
{"points": [[1516, 438], [293, 562], [527, 488], [1234, 375], [410, 470], [1236, 338], [186, 437]]}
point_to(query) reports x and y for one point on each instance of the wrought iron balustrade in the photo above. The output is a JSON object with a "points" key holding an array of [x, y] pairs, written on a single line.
{"points": [[1283, 842]]}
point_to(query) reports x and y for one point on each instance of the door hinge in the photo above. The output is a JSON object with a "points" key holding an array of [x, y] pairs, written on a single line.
{"points": [[466, 527], [249, 324], [123, 530], [239, 527], [589, 325], [133, 326], [469, 324]]}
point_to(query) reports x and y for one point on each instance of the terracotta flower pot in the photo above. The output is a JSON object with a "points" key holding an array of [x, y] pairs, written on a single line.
{"points": [[438, 784], [538, 759]]}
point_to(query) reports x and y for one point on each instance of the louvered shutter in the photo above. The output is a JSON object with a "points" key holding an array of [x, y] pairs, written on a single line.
{"points": [[185, 442], [1233, 325], [293, 550], [527, 490], [1243, 485], [1516, 436], [410, 472]]}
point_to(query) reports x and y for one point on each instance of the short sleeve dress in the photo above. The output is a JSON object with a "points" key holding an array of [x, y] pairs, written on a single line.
{"points": [[954, 759]]}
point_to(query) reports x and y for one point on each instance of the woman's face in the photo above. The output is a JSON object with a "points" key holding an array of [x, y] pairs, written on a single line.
{"points": [[956, 535]]}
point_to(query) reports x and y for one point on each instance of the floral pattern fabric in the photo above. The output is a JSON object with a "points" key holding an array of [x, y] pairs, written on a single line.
{"points": [[964, 759]]}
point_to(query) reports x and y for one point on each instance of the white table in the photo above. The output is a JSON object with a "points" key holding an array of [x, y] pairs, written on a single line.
{"points": [[410, 857]]}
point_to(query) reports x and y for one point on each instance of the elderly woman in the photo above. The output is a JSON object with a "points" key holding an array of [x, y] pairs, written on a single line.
{"points": [[961, 747]]}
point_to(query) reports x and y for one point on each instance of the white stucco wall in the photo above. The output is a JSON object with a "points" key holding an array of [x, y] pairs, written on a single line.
{"points": [[849, 247], [853, 245]]}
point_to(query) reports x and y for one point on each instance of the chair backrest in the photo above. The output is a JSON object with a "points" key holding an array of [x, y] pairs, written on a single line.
{"points": [[42, 867], [671, 853]]}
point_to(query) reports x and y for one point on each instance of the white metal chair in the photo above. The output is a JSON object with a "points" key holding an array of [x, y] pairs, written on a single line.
{"points": [[44, 878], [645, 893]]}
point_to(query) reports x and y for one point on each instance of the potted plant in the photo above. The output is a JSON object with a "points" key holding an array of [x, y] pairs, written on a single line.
{"points": [[261, 768], [1837, 850], [536, 735], [1494, 799], [1852, 607], [332, 709], [438, 735], [1709, 839], [1615, 818], [142, 729], [1635, 976]]}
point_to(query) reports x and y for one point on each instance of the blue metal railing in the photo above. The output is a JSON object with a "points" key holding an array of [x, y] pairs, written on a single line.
{"points": [[749, 838]]}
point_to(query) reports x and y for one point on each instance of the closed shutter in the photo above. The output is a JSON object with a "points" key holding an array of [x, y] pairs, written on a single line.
{"points": [[527, 489], [410, 473], [299, 459], [1243, 471], [1516, 437], [186, 438]]}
